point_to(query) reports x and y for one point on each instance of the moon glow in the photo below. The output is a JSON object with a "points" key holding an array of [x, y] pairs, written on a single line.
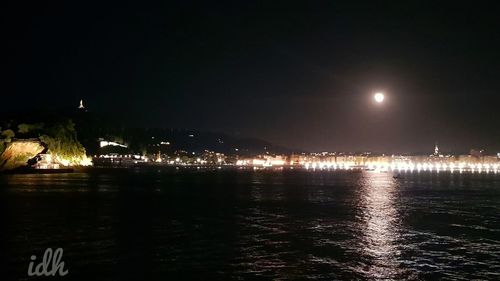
{"points": [[379, 97]]}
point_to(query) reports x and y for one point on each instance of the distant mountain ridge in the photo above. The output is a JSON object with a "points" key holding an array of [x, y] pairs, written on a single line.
{"points": [[198, 141], [94, 127]]}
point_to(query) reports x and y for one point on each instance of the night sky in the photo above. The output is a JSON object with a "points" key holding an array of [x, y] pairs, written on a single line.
{"points": [[299, 75]]}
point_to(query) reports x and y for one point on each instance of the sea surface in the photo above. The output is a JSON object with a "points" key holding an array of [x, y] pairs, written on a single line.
{"points": [[160, 224]]}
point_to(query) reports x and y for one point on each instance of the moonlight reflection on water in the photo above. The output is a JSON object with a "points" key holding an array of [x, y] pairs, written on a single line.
{"points": [[381, 225]]}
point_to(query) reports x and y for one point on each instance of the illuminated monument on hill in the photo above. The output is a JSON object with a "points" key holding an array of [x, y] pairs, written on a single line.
{"points": [[81, 105]]}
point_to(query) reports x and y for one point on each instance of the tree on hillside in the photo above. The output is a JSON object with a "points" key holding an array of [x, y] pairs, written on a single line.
{"points": [[61, 139], [5, 137], [24, 128]]}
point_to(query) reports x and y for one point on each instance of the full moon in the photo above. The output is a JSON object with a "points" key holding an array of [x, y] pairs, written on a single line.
{"points": [[379, 97]]}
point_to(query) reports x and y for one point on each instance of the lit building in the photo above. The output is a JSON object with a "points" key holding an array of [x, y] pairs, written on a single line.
{"points": [[81, 107]]}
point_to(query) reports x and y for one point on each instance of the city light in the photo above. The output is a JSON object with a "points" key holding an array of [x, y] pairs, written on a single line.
{"points": [[397, 166], [110, 143]]}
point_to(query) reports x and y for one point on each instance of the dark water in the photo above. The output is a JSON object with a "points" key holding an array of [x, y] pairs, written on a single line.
{"points": [[283, 225]]}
